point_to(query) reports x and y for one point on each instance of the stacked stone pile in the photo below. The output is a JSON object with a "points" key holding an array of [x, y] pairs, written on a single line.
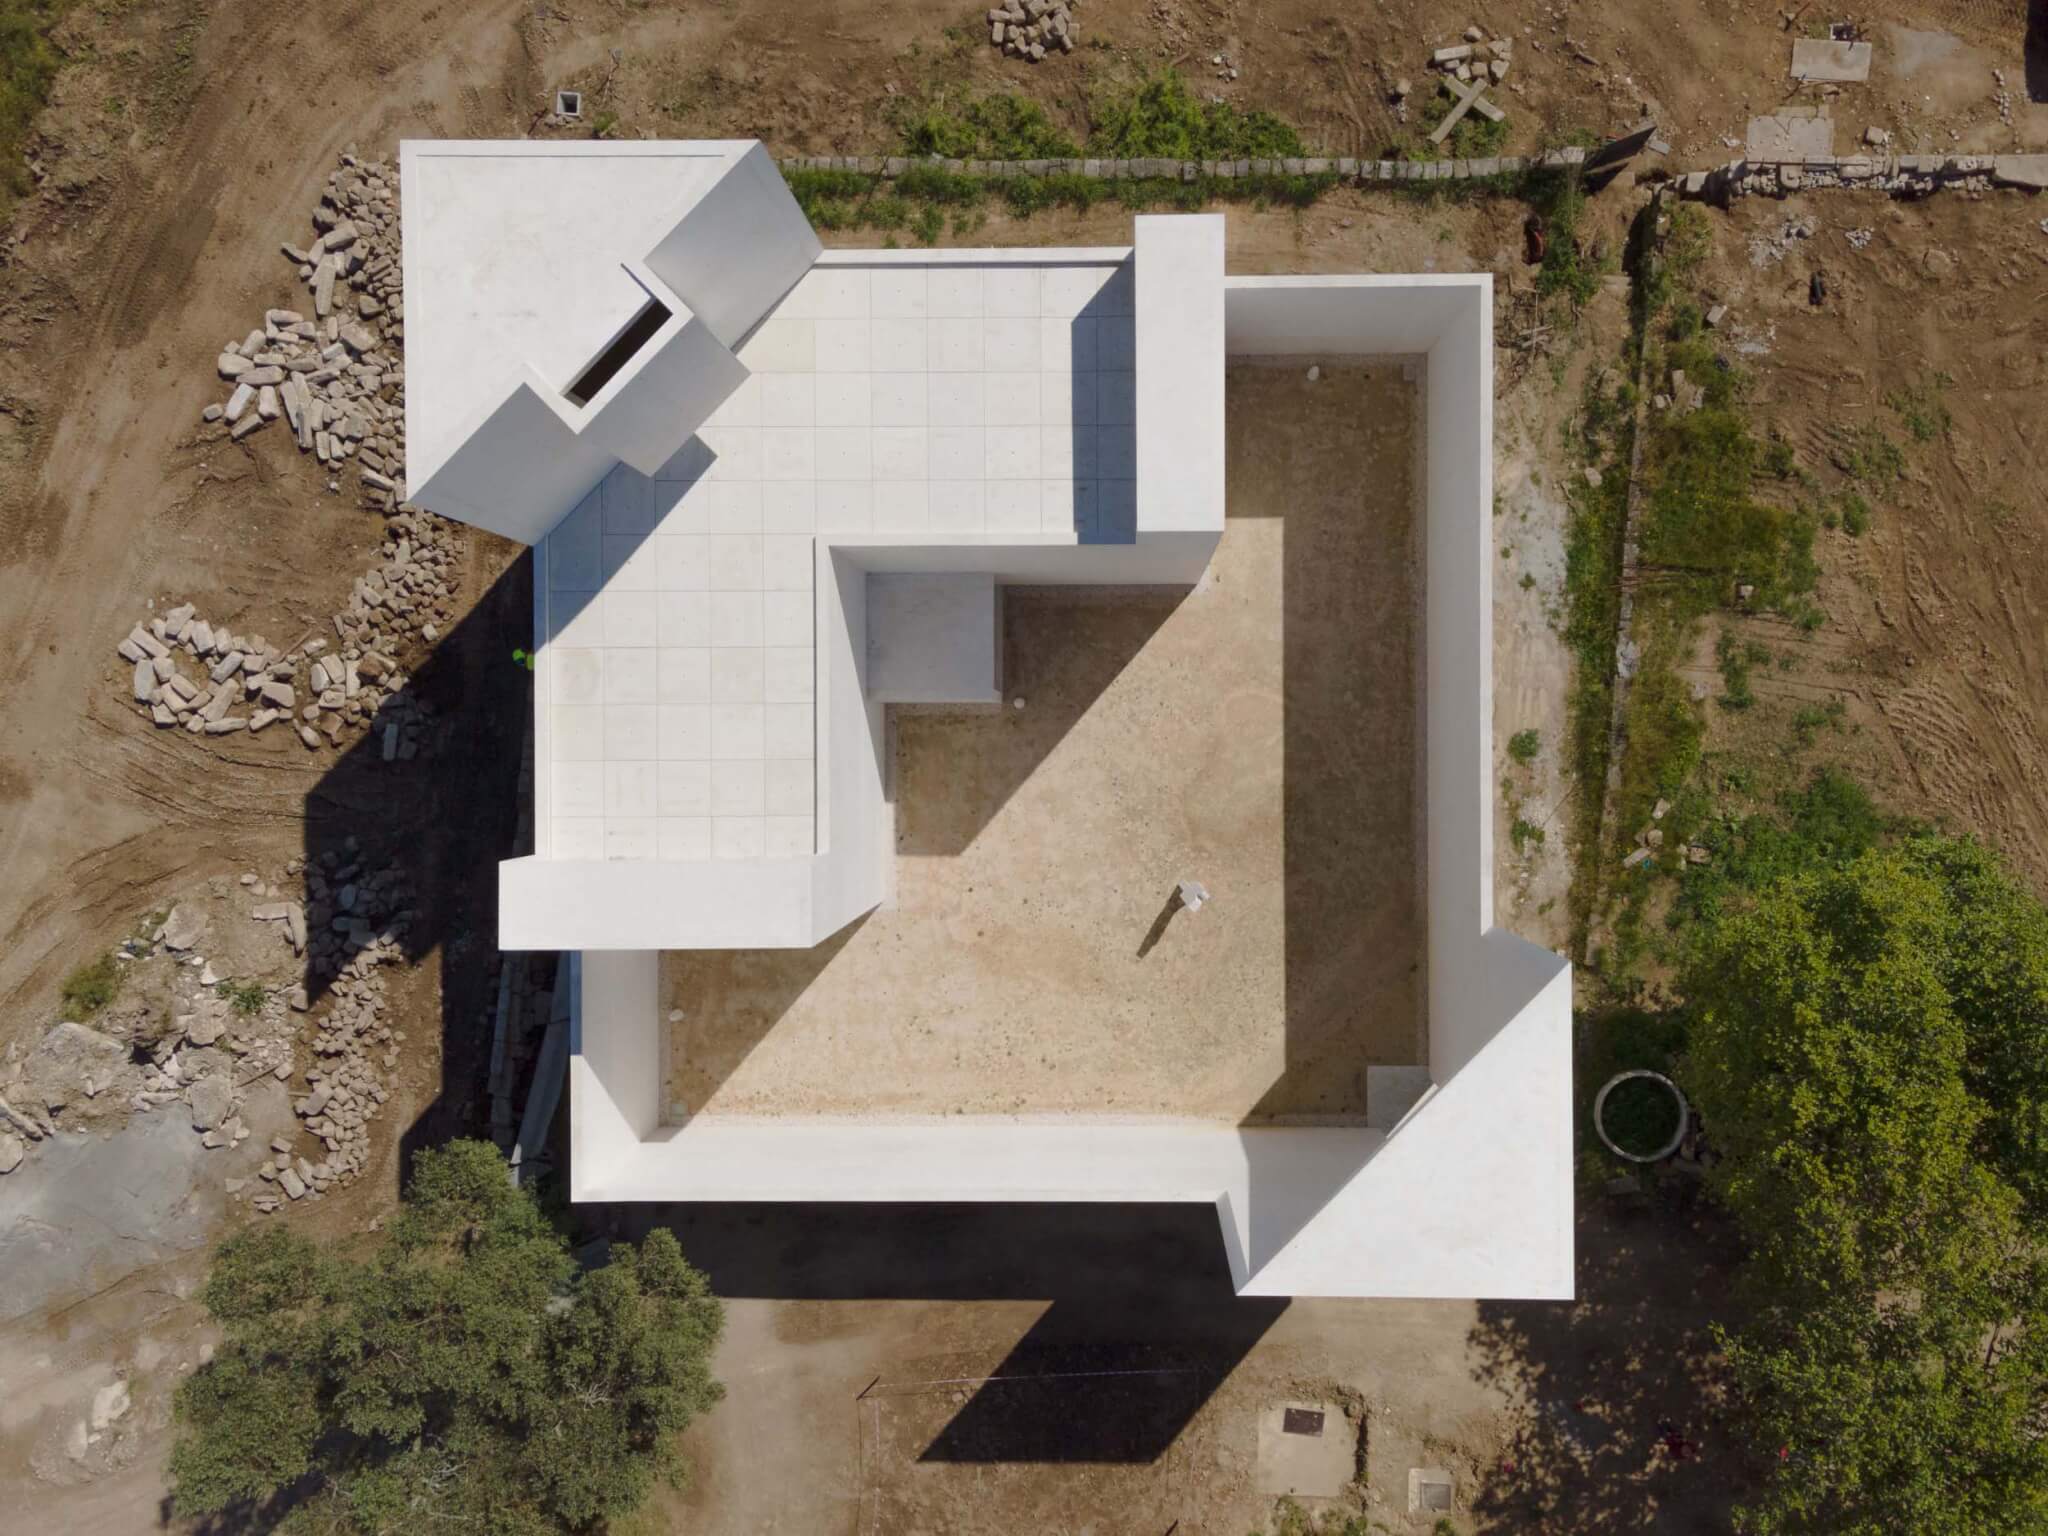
{"points": [[1478, 57], [336, 377], [1030, 29], [321, 689], [356, 921]]}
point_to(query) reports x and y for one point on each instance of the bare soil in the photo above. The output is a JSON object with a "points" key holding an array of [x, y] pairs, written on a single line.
{"points": [[1934, 615], [184, 142]]}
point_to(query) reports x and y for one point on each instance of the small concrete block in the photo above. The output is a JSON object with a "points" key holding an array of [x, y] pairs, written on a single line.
{"points": [[1816, 58]]}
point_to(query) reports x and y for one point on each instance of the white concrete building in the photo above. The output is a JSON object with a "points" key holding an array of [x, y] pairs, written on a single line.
{"points": [[766, 504]]}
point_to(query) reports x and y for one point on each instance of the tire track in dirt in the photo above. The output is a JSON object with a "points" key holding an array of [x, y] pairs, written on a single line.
{"points": [[185, 250]]}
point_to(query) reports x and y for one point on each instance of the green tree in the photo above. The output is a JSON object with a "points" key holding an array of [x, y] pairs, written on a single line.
{"points": [[1867, 1049], [464, 1376]]}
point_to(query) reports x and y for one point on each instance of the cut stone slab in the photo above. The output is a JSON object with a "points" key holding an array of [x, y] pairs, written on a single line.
{"points": [[1815, 58], [1789, 136], [2029, 171], [1306, 1450]]}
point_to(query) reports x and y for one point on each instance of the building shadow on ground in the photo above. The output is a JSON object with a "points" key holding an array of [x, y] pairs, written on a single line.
{"points": [[2036, 54], [435, 824], [1140, 1329], [1623, 1409]]}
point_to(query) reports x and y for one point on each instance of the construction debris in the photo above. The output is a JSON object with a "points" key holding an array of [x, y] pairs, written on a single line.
{"points": [[326, 689], [358, 920], [1468, 69], [1899, 175], [337, 378], [1030, 29], [1791, 133], [1822, 59]]}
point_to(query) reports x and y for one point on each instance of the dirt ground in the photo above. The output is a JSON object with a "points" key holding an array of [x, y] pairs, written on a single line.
{"points": [[184, 142], [1259, 734], [1935, 614]]}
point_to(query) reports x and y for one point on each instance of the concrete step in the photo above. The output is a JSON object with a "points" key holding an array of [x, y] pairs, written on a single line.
{"points": [[1390, 1092]]}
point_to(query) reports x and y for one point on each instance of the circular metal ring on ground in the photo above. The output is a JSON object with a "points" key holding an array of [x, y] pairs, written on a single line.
{"points": [[1677, 1136]]}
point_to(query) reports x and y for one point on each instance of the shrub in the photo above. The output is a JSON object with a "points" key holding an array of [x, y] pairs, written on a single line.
{"points": [[1160, 117], [91, 986], [245, 997], [1524, 746]]}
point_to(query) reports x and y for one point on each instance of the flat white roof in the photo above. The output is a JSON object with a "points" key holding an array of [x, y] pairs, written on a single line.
{"points": [[678, 673], [529, 246]]}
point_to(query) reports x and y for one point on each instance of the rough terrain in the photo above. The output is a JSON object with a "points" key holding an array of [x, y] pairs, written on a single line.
{"points": [[185, 145]]}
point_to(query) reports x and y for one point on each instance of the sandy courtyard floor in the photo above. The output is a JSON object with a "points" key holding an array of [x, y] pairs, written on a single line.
{"points": [[1259, 734]]}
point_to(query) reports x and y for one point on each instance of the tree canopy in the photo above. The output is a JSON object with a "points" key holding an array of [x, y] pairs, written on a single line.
{"points": [[465, 1375], [1868, 1049]]}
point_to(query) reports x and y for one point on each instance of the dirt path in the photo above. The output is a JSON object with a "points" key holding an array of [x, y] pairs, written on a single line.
{"points": [[123, 508]]}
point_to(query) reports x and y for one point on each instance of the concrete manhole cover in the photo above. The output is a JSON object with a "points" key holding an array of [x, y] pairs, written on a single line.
{"points": [[1305, 1450], [1430, 1491]]}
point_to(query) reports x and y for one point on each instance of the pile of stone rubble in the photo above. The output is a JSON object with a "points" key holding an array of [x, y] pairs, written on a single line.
{"points": [[321, 689], [1030, 29], [354, 923], [338, 377], [1478, 57], [1900, 175], [199, 1043]]}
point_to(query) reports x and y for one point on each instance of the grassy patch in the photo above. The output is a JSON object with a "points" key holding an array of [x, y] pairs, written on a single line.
{"points": [[29, 62], [1736, 659], [959, 125], [1865, 453], [1160, 116], [1595, 522], [245, 997], [1525, 746], [91, 987], [1566, 270], [927, 199], [1920, 407], [1829, 820], [1472, 138]]}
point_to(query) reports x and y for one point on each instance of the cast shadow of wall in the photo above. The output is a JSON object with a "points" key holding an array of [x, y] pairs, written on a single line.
{"points": [[2036, 50], [1140, 1328], [438, 823], [1623, 1409]]}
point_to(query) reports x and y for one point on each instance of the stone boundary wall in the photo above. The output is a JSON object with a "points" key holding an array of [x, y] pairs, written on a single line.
{"points": [[1903, 175], [1343, 167]]}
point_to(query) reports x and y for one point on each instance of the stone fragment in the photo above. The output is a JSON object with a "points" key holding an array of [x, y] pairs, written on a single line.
{"points": [[183, 927], [205, 1027], [212, 1099], [11, 1152]]}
